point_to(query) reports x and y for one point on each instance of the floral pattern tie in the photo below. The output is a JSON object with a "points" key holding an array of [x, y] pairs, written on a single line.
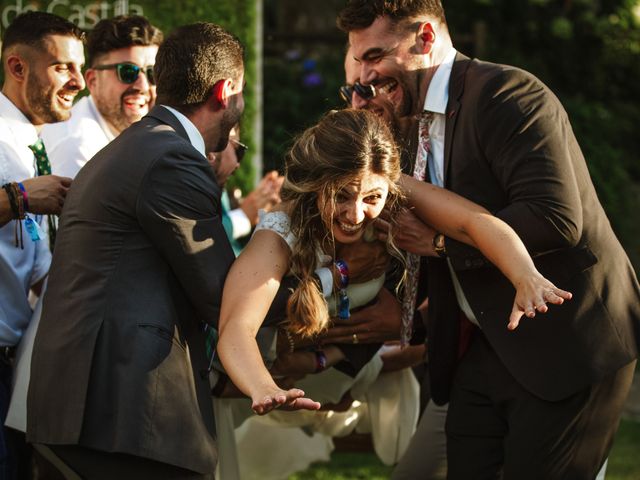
{"points": [[43, 166], [413, 260]]}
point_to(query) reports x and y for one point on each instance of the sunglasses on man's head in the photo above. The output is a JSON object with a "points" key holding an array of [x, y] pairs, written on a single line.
{"points": [[240, 147], [128, 72], [366, 92]]}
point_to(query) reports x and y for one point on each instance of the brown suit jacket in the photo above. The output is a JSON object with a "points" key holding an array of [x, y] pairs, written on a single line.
{"points": [[119, 363], [509, 146]]}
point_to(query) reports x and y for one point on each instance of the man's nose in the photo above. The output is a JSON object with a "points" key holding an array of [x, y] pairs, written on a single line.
{"points": [[77, 80], [142, 82], [367, 74]]}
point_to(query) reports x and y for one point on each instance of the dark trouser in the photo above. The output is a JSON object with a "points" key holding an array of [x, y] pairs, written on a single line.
{"points": [[90, 464], [15, 454], [496, 429]]}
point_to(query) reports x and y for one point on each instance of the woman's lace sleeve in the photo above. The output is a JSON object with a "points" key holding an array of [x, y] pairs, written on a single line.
{"points": [[277, 222]]}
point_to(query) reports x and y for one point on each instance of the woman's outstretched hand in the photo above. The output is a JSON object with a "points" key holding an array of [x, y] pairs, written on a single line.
{"points": [[292, 399], [533, 294]]}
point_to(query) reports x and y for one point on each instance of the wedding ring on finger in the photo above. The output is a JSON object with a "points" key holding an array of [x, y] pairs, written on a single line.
{"points": [[355, 338]]}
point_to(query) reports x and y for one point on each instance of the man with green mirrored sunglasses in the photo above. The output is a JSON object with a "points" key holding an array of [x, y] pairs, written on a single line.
{"points": [[121, 54], [128, 72]]}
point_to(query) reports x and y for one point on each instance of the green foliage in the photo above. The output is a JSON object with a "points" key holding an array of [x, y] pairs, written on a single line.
{"points": [[306, 87], [624, 462]]}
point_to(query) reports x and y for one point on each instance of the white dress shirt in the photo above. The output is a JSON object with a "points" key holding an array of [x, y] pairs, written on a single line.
{"points": [[195, 137], [72, 143], [19, 268], [436, 101]]}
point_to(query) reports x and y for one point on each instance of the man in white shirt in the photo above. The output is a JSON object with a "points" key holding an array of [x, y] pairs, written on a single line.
{"points": [[121, 53], [42, 57]]}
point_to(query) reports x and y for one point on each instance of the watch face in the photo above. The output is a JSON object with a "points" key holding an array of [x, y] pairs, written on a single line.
{"points": [[439, 245]]}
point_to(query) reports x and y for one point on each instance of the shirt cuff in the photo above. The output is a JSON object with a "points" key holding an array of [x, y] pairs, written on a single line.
{"points": [[241, 223], [326, 280]]}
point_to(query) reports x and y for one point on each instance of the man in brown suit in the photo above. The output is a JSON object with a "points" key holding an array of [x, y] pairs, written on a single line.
{"points": [[542, 401], [119, 385]]}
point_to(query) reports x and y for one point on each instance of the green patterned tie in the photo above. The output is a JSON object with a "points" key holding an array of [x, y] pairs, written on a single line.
{"points": [[43, 166]]}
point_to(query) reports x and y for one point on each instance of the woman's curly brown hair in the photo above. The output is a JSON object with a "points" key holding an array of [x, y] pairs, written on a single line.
{"points": [[342, 147]]}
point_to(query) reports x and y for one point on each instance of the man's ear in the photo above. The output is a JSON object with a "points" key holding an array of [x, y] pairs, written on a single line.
{"points": [[90, 78], [221, 92], [213, 161], [17, 68], [426, 37]]}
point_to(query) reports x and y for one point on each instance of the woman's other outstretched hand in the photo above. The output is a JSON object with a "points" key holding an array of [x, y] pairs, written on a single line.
{"points": [[533, 294], [292, 399]]}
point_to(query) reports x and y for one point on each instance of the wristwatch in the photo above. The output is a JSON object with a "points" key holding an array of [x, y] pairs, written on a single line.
{"points": [[439, 245]]}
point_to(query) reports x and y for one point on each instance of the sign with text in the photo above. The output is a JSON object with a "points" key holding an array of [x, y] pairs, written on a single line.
{"points": [[85, 15]]}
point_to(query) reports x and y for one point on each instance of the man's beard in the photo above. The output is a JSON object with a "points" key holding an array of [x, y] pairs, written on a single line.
{"points": [[230, 119], [114, 113], [408, 107], [41, 99]]}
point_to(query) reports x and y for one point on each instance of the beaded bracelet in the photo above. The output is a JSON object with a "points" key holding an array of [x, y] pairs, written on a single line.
{"points": [[16, 201], [13, 201], [343, 271], [25, 199], [343, 298]]}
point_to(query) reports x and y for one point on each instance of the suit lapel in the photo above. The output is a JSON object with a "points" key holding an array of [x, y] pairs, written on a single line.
{"points": [[456, 89]]}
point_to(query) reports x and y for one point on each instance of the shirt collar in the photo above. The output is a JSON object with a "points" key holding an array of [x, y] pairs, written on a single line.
{"points": [[438, 91], [195, 137], [22, 129]]}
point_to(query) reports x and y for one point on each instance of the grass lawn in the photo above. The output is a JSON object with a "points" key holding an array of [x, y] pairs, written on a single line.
{"points": [[624, 462]]}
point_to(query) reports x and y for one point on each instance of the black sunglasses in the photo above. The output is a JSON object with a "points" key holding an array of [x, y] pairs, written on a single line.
{"points": [[129, 72], [240, 147], [366, 92]]}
